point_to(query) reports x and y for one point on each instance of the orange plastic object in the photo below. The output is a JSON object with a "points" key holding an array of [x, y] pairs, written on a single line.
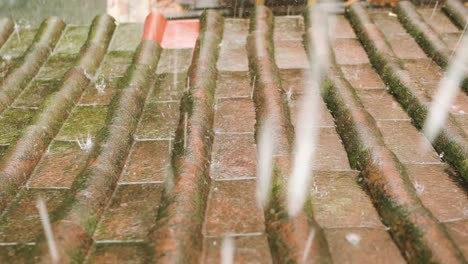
{"points": [[171, 34]]}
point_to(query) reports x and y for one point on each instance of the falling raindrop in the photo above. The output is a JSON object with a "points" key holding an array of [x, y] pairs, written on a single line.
{"points": [[419, 187], [434, 10], [353, 238], [308, 120], [308, 245], [266, 148], [16, 30], [41, 206], [227, 250], [447, 92]]}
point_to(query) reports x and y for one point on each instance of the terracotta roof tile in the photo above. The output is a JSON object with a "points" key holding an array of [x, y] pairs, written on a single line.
{"points": [[145, 153]]}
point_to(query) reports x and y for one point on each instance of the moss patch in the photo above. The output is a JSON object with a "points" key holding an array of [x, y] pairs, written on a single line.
{"points": [[36, 92], [18, 43], [83, 120], [3, 150], [56, 66], [121, 252], [72, 40], [115, 64], [127, 36], [12, 123], [6, 66]]}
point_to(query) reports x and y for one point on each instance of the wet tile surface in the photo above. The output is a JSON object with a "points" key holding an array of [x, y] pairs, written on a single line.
{"points": [[458, 232], [330, 153], [233, 208], [59, 167], [12, 122], [120, 222], [349, 51], [362, 76], [249, 249], [159, 121], [169, 87], [341, 206], [132, 253], [326, 119], [148, 161], [21, 222], [381, 105], [290, 54], [374, 246], [234, 156], [230, 111], [56, 66], [18, 43], [36, 92], [407, 49], [440, 191], [233, 84], [400, 137], [175, 60], [289, 28], [342, 27], [72, 40], [83, 121], [438, 20], [339, 201]]}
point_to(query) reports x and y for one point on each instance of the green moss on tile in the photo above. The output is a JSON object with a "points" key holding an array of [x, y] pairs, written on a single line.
{"points": [[121, 252], [127, 36], [36, 92], [6, 65], [83, 120], [16, 254], [61, 146], [21, 222], [72, 40], [56, 66], [12, 122], [3, 150], [115, 64], [18, 43]]}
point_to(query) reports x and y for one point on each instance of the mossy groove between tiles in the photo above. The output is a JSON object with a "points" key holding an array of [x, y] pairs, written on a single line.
{"points": [[452, 139]]}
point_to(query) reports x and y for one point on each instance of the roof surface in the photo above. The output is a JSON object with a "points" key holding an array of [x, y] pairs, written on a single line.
{"points": [[145, 154]]}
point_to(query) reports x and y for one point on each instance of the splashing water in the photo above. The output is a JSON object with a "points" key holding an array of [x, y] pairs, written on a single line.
{"points": [[447, 92], [266, 148], [308, 245], [227, 250], [419, 187], [100, 86], [434, 10], [41, 206], [353, 238], [88, 75], [85, 144], [16, 30], [307, 128]]}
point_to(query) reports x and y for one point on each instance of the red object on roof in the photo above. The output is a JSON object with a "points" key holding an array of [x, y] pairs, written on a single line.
{"points": [[171, 34]]}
